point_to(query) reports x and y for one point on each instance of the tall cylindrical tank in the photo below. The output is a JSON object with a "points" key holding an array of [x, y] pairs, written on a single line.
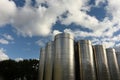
{"points": [[112, 63], [64, 57], [49, 61], [118, 58], [87, 66], [102, 68], [41, 63]]}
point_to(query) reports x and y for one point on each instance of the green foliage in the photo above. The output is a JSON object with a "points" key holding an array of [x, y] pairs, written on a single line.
{"points": [[12, 70]]}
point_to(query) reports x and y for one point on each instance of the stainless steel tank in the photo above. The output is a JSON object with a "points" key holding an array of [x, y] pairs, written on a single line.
{"points": [[49, 61], [118, 58], [41, 63], [102, 68], [112, 63], [87, 66], [64, 57]]}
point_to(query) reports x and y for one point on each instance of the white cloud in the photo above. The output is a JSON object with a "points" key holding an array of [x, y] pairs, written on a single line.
{"points": [[118, 45], [99, 2], [78, 33], [113, 8], [107, 41], [40, 43], [31, 21], [8, 37], [108, 44], [7, 11], [3, 55], [3, 41], [55, 32], [19, 59]]}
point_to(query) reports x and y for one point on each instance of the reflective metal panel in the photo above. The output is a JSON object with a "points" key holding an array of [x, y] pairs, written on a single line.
{"points": [[49, 61], [41, 63], [64, 57], [87, 67], [118, 58], [112, 63], [102, 68]]}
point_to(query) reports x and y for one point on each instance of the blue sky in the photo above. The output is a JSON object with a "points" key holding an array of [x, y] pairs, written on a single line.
{"points": [[27, 25]]}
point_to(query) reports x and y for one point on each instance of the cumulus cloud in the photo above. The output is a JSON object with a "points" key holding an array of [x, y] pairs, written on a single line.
{"points": [[55, 32], [32, 21], [29, 21], [7, 11], [107, 41], [99, 2], [3, 55], [39, 21], [19, 59], [78, 33], [108, 44], [3, 41], [40, 43], [26, 20], [8, 37]]}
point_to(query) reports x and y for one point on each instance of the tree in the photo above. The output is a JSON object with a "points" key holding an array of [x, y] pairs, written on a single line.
{"points": [[26, 69]]}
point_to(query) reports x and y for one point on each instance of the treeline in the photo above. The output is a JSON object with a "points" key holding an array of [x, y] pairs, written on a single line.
{"points": [[22, 70]]}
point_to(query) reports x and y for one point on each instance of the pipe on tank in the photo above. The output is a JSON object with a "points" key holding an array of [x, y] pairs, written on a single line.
{"points": [[113, 64], [101, 62], [64, 57], [49, 60], [41, 63], [86, 60]]}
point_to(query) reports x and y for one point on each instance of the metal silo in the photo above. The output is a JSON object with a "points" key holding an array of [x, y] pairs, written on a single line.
{"points": [[64, 57], [102, 68], [118, 58], [41, 63], [87, 66], [112, 63], [49, 61]]}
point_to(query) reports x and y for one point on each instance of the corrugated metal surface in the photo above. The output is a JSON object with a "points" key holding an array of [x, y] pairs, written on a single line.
{"points": [[64, 57], [49, 61], [112, 63], [101, 63], [41, 63], [87, 67]]}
